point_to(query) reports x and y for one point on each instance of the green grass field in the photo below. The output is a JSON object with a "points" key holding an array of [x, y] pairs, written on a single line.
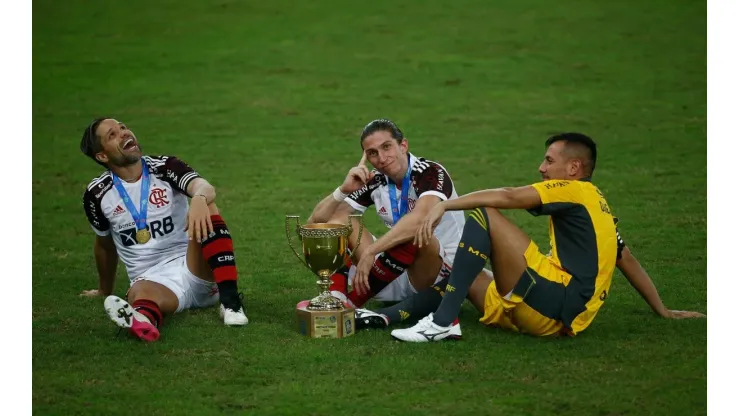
{"points": [[266, 100]]}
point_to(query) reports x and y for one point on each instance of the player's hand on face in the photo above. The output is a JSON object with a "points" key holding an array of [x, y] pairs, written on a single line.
{"points": [[361, 281], [684, 314], [91, 293], [357, 177], [426, 230], [199, 224]]}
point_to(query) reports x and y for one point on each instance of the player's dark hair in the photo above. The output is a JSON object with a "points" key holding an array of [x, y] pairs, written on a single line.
{"points": [[90, 143], [577, 139], [382, 124]]}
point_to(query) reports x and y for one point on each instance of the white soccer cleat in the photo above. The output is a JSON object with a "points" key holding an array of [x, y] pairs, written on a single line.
{"points": [[366, 319], [123, 315], [232, 317], [427, 331]]}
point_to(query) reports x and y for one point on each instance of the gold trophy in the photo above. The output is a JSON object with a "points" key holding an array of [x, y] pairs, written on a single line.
{"points": [[324, 247]]}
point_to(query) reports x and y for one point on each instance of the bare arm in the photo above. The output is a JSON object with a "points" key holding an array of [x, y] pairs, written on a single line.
{"points": [[356, 178], [106, 261], [524, 197], [200, 186], [327, 208], [640, 280], [405, 229]]}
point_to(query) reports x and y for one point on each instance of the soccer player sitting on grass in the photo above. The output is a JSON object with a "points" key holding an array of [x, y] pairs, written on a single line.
{"points": [[530, 292], [177, 256], [403, 188]]}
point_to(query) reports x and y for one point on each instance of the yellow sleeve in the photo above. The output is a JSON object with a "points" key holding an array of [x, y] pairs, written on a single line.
{"points": [[558, 191], [557, 197]]}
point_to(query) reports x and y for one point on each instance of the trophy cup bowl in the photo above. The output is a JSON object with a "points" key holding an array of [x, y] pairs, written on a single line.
{"points": [[323, 247]]}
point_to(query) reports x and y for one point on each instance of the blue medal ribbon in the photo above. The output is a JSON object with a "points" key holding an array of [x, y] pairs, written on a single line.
{"points": [[140, 215], [400, 211]]}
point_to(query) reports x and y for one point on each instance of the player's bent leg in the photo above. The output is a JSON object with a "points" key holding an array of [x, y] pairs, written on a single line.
{"points": [[339, 280], [388, 266], [479, 288], [486, 234], [164, 297], [425, 269], [212, 260], [142, 314], [365, 240], [508, 246], [425, 302]]}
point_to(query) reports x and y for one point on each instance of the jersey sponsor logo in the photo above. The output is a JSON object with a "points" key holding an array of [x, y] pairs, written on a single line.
{"points": [[559, 184], [126, 225], [118, 211], [93, 213], [171, 175], [104, 188], [156, 227], [158, 197], [440, 180], [358, 193], [382, 210], [128, 237]]}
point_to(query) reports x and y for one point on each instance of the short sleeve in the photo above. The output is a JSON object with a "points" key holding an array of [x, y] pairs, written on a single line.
{"points": [[91, 201], [431, 178], [173, 171], [362, 199], [557, 197]]}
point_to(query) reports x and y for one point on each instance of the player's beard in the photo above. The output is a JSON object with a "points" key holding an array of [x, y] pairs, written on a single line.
{"points": [[125, 159]]}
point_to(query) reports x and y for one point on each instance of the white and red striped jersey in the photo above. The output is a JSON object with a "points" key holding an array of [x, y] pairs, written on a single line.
{"points": [[166, 213], [427, 178]]}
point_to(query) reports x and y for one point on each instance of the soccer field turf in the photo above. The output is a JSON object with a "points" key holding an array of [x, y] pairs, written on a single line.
{"points": [[266, 100]]}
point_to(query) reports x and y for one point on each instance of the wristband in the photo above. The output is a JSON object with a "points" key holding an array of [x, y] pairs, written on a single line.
{"points": [[338, 195]]}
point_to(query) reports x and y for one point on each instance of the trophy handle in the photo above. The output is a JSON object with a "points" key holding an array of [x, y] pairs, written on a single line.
{"points": [[288, 234], [359, 234]]}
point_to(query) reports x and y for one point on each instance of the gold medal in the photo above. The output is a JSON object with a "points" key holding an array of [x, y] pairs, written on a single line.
{"points": [[142, 236]]}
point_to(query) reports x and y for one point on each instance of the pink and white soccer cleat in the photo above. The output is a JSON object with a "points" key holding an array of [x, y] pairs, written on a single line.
{"points": [[120, 312]]}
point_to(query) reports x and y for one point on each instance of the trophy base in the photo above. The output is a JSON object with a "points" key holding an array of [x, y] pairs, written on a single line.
{"points": [[325, 302], [326, 324]]}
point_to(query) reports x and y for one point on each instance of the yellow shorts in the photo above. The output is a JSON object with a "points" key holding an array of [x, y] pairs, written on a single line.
{"points": [[534, 305]]}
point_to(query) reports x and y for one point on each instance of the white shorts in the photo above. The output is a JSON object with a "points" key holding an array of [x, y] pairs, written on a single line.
{"points": [[401, 288], [191, 291]]}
